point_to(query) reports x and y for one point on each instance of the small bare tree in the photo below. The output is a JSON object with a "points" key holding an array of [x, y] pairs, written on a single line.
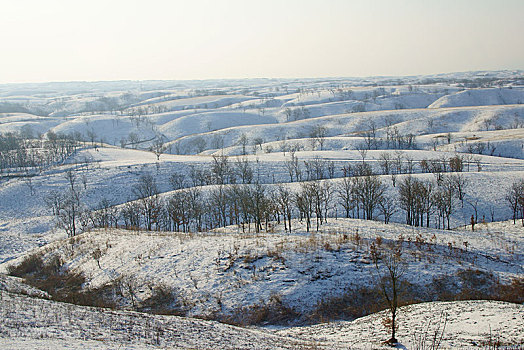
{"points": [[158, 146], [388, 207], [243, 141], [385, 162], [390, 267], [284, 201], [515, 198], [147, 192], [345, 195], [243, 170], [176, 181]]}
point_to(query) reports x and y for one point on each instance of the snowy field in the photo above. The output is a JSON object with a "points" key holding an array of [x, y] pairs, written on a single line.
{"points": [[397, 127], [30, 323]]}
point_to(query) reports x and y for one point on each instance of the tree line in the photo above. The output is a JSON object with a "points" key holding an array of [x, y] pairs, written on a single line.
{"points": [[229, 193], [21, 151]]}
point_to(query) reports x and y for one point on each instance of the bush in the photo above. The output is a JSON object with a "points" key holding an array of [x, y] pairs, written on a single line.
{"points": [[473, 284], [512, 293], [29, 266], [476, 284], [47, 276], [352, 304], [274, 312], [164, 300]]}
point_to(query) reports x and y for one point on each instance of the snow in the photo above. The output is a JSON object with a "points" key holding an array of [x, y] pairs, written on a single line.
{"points": [[217, 272], [33, 323], [30, 323], [481, 97], [465, 324], [240, 269]]}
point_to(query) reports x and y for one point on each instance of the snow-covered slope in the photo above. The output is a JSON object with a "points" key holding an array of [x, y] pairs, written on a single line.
{"points": [[30, 323], [456, 325], [219, 273], [480, 97], [225, 274]]}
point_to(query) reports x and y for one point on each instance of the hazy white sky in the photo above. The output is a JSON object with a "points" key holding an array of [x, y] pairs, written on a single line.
{"points": [[61, 40]]}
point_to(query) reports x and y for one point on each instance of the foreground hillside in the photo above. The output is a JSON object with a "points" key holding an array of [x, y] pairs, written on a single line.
{"points": [[268, 278], [30, 323], [455, 325]]}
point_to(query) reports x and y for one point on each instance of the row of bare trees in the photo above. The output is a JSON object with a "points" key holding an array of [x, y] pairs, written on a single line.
{"points": [[253, 207], [229, 193], [19, 151]]}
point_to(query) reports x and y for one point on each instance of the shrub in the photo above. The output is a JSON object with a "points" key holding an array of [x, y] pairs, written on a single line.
{"points": [[352, 304], [513, 292], [164, 300], [476, 284], [29, 266], [274, 311]]}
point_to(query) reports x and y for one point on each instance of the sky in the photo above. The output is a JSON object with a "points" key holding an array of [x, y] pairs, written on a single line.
{"points": [[66, 40]]}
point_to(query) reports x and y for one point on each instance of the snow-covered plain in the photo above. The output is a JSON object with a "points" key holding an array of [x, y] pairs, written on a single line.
{"points": [[478, 114]]}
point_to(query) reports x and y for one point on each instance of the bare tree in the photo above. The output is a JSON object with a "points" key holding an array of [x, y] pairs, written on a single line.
{"points": [[406, 189], [178, 210], [69, 206], [284, 200], [363, 151], [69, 212], [385, 162], [91, 135], [218, 201], [390, 267], [293, 168], [176, 181], [318, 135], [344, 192], [158, 146], [461, 183], [368, 191], [52, 200], [243, 141], [130, 213], [200, 176], [133, 139], [199, 144], [288, 112], [260, 205], [243, 170], [370, 136], [444, 199], [304, 202], [28, 180], [515, 198], [221, 170], [415, 197], [316, 168], [388, 207], [104, 214], [409, 164], [147, 192], [456, 163], [257, 142]]}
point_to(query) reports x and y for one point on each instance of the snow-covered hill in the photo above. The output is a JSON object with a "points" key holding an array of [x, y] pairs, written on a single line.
{"points": [[30, 323], [480, 97], [455, 325], [101, 139]]}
